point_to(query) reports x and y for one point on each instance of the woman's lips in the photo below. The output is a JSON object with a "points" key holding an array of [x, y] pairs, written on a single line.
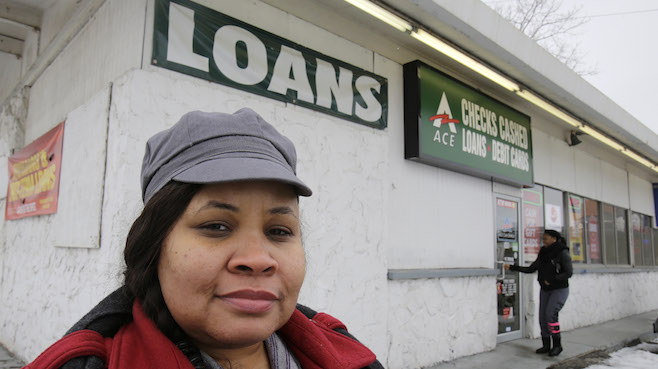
{"points": [[250, 301]]}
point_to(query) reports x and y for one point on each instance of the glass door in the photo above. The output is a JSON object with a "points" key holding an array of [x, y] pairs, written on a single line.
{"points": [[507, 240]]}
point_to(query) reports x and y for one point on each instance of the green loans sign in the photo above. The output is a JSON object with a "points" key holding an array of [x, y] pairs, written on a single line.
{"points": [[195, 40], [451, 125]]}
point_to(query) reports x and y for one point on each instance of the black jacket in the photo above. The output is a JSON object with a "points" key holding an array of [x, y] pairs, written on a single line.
{"points": [[554, 266]]}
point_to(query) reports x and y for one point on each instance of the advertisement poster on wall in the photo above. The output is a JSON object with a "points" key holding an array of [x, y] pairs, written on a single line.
{"points": [[33, 186], [533, 222], [576, 228]]}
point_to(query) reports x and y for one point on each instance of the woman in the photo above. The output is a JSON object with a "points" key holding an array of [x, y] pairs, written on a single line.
{"points": [[555, 269], [214, 264]]}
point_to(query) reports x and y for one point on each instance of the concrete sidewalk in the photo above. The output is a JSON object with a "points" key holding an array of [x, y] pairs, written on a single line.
{"points": [[520, 354]]}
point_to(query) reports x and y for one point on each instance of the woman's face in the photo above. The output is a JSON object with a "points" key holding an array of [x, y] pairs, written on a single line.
{"points": [[233, 264], [548, 239]]}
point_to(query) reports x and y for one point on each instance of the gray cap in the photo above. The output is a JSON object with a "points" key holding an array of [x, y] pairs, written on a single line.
{"points": [[218, 147]]}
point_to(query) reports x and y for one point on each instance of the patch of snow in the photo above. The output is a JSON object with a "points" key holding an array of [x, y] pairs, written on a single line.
{"points": [[636, 357]]}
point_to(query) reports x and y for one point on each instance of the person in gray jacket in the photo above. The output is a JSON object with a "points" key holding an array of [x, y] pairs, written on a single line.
{"points": [[555, 269]]}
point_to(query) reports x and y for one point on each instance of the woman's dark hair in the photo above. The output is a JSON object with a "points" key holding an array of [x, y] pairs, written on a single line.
{"points": [[143, 247], [555, 234]]}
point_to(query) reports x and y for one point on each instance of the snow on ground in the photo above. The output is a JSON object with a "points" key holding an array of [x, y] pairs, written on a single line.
{"points": [[642, 356]]}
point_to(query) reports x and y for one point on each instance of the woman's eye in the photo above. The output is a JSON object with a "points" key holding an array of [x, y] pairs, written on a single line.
{"points": [[214, 227], [280, 232]]}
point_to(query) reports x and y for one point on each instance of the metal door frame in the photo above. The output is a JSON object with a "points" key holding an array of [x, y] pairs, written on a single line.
{"points": [[510, 336]]}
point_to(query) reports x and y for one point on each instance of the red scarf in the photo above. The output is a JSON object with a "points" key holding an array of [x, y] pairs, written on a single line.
{"points": [[140, 344]]}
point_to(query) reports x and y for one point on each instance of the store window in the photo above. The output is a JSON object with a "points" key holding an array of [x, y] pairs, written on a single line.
{"points": [[608, 232], [621, 230], [655, 246], [610, 245], [584, 229], [642, 243]]}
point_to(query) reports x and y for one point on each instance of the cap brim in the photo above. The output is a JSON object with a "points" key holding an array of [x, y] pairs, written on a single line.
{"points": [[228, 169]]}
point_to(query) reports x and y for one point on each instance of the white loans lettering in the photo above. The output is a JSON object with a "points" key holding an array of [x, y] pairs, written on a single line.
{"points": [[324, 84]]}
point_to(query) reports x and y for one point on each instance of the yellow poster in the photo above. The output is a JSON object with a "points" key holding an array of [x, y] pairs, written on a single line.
{"points": [[576, 228]]}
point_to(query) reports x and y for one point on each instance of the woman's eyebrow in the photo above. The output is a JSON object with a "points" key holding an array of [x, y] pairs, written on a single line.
{"points": [[219, 205], [283, 210]]}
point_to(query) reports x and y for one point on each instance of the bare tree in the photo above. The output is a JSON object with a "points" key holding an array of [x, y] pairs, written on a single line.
{"points": [[552, 28]]}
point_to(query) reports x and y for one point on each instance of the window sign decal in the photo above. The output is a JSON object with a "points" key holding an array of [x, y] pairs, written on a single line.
{"points": [[593, 230], [506, 229], [576, 228], [553, 216], [532, 223]]}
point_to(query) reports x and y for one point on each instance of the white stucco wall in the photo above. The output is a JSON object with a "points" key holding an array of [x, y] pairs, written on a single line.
{"points": [[372, 210], [77, 222], [435, 320], [553, 161], [589, 180], [595, 298], [611, 296], [109, 45], [641, 195], [428, 204], [10, 73], [45, 289], [615, 186], [54, 18]]}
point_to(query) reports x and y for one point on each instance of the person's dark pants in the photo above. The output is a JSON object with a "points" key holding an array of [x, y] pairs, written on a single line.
{"points": [[550, 304]]}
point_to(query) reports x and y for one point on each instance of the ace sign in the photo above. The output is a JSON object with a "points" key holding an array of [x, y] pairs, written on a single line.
{"points": [[451, 125], [199, 41]]}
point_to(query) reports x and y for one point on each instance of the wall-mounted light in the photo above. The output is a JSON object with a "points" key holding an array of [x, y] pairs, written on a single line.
{"points": [[638, 158], [599, 136], [434, 42], [573, 138], [548, 107], [382, 14], [446, 49]]}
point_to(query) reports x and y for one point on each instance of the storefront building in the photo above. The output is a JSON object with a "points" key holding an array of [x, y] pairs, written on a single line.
{"points": [[439, 141]]}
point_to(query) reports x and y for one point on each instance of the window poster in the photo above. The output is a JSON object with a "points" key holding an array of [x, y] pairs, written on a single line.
{"points": [[533, 222], [553, 216], [576, 228], [636, 228], [592, 221], [506, 219]]}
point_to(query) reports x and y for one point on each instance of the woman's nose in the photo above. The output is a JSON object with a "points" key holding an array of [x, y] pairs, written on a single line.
{"points": [[252, 257]]}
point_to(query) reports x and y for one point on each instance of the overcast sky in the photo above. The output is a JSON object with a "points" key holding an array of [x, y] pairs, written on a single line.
{"points": [[624, 49], [620, 41]]}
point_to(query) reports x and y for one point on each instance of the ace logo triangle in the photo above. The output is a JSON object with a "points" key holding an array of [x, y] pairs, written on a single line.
{"points": [[444, 115]]}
